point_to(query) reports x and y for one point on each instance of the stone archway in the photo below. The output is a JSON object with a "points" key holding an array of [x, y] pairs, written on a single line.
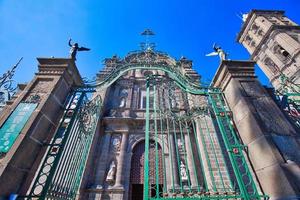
{"points": [[137, 169]]}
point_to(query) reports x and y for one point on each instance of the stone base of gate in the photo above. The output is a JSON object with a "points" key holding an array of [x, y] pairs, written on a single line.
{"points": [[111, 193]]}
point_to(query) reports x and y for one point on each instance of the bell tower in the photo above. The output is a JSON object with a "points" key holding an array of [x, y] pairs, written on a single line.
{"points": [[273, 40]]}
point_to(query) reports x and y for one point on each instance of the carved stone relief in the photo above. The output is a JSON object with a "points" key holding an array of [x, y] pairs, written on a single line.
{"points": [[40, 89], [183, 172], [116, 142]]}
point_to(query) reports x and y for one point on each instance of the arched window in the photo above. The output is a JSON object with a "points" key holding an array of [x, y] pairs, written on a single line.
{"points": [[281, 52]]}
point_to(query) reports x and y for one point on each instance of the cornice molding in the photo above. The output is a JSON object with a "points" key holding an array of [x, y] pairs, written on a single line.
{"points": [[232, 69]]}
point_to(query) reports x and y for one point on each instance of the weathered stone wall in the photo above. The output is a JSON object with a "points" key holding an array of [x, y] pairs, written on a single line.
{"points": [[258, 119], [49, 88]]}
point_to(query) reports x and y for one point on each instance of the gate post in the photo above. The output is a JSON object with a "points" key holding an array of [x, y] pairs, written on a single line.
{"points": [[48, 90], [257, 119]]}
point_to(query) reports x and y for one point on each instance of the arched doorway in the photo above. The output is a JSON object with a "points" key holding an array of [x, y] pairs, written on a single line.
{"points": [[137, 170]]}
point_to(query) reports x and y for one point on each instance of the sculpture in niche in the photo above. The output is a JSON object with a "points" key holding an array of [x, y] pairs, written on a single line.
{"points": [[122, 102], [180, 145], [123, 95], [111, 172], [174, 103], [183, 172], [116, 142]]}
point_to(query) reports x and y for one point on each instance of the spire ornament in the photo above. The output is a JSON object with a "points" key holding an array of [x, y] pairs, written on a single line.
{"points": [[147, 45], [7, 86]]}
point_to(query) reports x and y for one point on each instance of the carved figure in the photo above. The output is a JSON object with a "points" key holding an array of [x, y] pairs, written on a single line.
{"points": [[122, 102], [74, 48], [183, 172], [116, 143], [218, 51], [179, 143], [111, 172]]}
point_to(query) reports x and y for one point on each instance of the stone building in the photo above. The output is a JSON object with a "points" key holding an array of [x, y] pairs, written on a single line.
{"points": [[273, 40], [147, 129]]}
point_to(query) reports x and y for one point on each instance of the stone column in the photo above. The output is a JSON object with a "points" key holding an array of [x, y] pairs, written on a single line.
{"points": [[190, 162], [202, 154], [102, 162], [174, 164], [129, 97], [48, 89], [257, 118], [121, 161]]}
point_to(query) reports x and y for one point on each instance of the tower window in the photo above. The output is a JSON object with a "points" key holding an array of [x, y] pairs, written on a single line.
{"points": [[281, 52]]}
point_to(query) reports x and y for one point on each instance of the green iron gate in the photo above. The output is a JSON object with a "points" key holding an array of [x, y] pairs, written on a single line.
{"points": [[60, 174], [205, 158], [205, 161]]}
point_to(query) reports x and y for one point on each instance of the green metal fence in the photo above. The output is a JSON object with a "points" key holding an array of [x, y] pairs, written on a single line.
{"points": [[202, 157], [60, 174], [202, 154]]}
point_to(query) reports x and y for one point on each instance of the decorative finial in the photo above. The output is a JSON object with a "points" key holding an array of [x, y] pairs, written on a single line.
{"points": [[6, 82], [218, 51], [147, 45], [74, 48], [244, 17]]}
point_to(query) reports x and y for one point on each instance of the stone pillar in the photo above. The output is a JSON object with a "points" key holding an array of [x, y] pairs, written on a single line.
{"points": [[202, 148], [190, 162], [121, 161], [49, 89], [101, 164], [174, 165], [257, 117]]}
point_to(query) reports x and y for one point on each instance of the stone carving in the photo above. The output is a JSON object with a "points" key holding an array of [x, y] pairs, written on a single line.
{"points": [[122, 102], [123, 95], [218, 51], [180, 144], [111, 172], [74, 48], [183, 172], [41, 88], [33, 98], [116, 142]]}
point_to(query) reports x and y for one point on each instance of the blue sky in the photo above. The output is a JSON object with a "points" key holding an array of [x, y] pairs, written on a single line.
{"points": [[31, 28]]}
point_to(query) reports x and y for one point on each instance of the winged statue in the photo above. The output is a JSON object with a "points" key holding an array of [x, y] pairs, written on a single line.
{"points": [[74, 48], [218, 51]]}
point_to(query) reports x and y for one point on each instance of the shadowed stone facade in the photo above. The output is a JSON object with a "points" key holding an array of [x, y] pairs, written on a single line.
{"points": [[49, 89]]}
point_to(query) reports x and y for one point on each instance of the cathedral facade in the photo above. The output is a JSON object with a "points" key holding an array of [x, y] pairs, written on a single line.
{"points": [[147, 128]]}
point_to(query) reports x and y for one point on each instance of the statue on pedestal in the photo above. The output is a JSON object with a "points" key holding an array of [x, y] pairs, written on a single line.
{"points": [[74, 48], [111, 172], [218, 51], [183, 172]]}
